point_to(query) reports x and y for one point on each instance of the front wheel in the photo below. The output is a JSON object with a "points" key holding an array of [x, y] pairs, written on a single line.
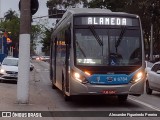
{"points": [[148, 89], [122, 98]]}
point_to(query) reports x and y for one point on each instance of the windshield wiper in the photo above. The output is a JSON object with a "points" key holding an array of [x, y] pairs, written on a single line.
{"points": [[120, 37], [81, 49], [96, 35]]}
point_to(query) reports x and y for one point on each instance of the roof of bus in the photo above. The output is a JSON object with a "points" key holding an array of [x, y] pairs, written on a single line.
{"points": [[92, 11]]}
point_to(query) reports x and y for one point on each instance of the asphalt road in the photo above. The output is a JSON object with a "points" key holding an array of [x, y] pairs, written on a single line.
{"points": [[94, 103]]}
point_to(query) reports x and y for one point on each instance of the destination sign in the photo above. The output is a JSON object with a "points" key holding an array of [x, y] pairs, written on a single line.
{"points": [[106, 21], [116, 21]]}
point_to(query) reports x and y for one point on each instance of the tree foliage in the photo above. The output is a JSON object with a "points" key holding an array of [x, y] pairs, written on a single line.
{"points": [[36, 30], [12, 26], [46, 40], [65, 3], [9, 15], [113, 5]]}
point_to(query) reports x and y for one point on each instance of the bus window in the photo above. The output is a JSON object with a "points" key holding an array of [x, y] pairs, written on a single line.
{"points": [[109, 47]]}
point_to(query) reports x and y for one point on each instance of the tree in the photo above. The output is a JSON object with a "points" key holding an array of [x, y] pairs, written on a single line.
{"points": [[12, 26], [9, 15], [36, 30], [46, 40]]}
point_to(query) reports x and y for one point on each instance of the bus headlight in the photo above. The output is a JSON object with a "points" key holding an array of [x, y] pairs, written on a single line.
{"points": [[138, 77], [79, 77]]}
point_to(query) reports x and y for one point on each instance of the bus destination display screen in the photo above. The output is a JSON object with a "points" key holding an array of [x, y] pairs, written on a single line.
{"points": [[112, 21]]}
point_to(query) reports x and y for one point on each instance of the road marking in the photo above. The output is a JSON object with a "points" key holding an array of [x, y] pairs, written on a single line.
{"points": [[145, 104]]}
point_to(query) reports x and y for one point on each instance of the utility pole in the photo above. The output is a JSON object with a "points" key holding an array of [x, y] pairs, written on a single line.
{"points": [[0, 10], [151, 43], [24, 53]]}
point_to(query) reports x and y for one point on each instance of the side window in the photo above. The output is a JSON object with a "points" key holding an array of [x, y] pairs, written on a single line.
{"points": [[155, 67]]}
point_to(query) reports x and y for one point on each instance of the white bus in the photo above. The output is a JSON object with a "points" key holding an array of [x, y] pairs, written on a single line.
{"points": [[98, 52]]}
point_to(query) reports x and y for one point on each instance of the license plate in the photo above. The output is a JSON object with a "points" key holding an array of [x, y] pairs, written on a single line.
{"points": [[109, 92], [13, 75]]}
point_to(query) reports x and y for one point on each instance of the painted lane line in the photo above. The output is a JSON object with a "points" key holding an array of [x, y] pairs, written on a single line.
{"points": [[145, 104]]}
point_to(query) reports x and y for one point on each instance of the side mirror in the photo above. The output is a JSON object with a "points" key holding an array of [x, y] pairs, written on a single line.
{"points": [[31, 67], [68, 36]]}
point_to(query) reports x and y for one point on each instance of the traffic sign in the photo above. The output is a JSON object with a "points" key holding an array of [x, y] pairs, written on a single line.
{"points": [[34, 6]]}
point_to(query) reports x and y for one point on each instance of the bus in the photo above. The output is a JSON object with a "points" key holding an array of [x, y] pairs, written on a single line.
{"points": [[97, 52]]}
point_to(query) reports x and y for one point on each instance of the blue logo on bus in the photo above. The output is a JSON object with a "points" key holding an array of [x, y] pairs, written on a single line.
{"points": [[110, 79]]}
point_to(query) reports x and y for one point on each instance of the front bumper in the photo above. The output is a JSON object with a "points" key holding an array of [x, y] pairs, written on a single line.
{"points": [[77, 88], [9, 77]]}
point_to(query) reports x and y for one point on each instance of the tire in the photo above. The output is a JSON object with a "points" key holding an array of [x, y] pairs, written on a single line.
{"points": [[122, 98], [148, 89]]}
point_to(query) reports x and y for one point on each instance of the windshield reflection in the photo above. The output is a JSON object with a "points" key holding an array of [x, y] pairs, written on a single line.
{"points": [[10, 62]]}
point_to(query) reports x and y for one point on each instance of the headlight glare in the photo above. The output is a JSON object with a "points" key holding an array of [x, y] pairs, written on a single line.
{"points": [[79, 77], [2, 71], [138, 77]]}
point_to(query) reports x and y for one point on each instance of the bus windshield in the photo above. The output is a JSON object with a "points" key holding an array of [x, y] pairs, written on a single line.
{"points": [[108, 46]]}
